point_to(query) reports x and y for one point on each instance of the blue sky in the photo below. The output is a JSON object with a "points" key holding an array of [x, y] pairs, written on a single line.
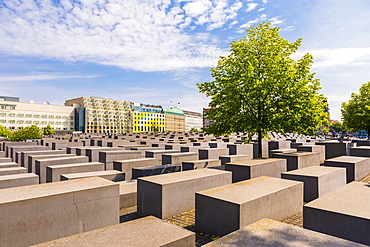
{"points": [[155, 51]]}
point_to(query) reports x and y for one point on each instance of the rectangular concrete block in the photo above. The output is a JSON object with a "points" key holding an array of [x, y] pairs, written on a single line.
{"points": [[299, 160], [53, 172], [26, 154], [170, 194], [362, 151], [127, 165], [148, 231], [16, 180], [112, 175], [318, 180], [107, 157], [343, 213], [44, 212], [248, 169], [200, 164], [41, 164], [12, 170], [32, 159], [234, 158], [212, 153], [17, 151], [157, 154], [336, 148], [178, 158], [5, 160], [271, 233], [357, 168], [139, 172], [9, 164], [127, 194], [225, 209], [314, 148], [240, 149]]}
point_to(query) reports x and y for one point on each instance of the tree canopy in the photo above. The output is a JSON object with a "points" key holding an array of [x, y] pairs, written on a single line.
{"points": [[31, 132], [356, 112], [259, 88], [48, 130], [4, 132]]}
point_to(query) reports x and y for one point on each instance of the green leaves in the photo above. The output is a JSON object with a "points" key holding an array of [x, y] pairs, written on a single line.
{"points": [[31, 132], [48, 130], [260, 87]]}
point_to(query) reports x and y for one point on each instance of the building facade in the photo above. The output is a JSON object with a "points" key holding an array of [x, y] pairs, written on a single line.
{"points": [[16, 115], [206, 121], [102, 115], [174, 119], [148, 118], [193, 120]]}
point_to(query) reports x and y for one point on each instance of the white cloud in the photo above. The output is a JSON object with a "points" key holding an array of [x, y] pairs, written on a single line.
{"points": [[138, 35], [261, 9], [275, 20], [39, 77], [251, 6], [259, 19], [264, 1]]}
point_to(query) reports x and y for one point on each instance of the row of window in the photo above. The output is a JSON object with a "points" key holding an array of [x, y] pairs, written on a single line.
{"points": [[11, 107], [34, 116], [34, 122]]}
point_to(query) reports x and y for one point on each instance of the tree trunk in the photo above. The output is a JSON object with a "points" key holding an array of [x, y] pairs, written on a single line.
{"points": [[259, 133]]}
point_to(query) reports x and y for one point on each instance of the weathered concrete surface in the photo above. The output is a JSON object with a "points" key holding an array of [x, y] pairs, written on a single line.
{"points": [[200, 164], [271, 233], [127, 194], [107, 157], [17, 151], [318, 180], [247, 169], [240, 149], [212, 153], [53, 172], [178, 158], [16, 180], [234, 158], [148, 232], [112, 175], [336, 148], [157, 154], [5, 160], [9, 164], [228, 208], [343, 213], [26, 154], [314, 148], [356, 167], [299, 160], [170, 194], [32, 159], [127, 165], [12, 170], [41, 164], [44, 212]]}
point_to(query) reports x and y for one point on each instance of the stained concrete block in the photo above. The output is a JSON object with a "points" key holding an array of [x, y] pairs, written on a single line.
{"points": [[64, 145], [178, 158], [275, 144], [16, 180], [248, 169], [283, 151], [93, 153], [234, 158], [127, 165], [225, 209], [271, 233], [356, 167], [318, 180], [240, 149], [113, 175], [343, 213], [170, 194], [5, 160], [9, 164], [314, 148], [336, 148], [157, 154], [44, 212], [81, 151], [200, 164], [41, 164], [265, 149], [12, 170], [148, 231], [139, 172], [26, 154], [127, 194], [32, 159], [17, 151], [362, 151], [53, 172], [7, 146], [299, 160], [212, 153], [107, 157]]}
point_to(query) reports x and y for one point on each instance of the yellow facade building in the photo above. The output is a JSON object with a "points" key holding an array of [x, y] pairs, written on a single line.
{"points": [[148, 118]]}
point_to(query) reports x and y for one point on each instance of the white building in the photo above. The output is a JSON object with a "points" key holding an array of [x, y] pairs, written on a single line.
{"points": [[193, 120], [15, 115]]}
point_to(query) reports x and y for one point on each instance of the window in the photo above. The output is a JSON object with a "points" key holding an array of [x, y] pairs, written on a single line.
{"points": [[36, 122], [58, 117], [36, 116], [44, 116], [11, 121], [28, 122], [28, 115], [65, 117], [20, 121], [51, 116], [2, 114], [2, 121], [44, 122], [20, 115], [12, 107], [51, 122], [58, 123]]}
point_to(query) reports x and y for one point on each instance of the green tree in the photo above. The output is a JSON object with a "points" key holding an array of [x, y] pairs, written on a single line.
{"points": [[259, 88], [194, 129], [4, 132], [356, 112], [48, 130], [31, 132], [336, 127]]}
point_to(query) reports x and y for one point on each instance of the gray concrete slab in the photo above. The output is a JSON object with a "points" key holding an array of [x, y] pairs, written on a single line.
{"points": [[53, 172], [357, 168]]}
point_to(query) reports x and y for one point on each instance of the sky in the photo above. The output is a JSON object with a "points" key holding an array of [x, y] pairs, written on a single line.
{"points": [[155, 51]]}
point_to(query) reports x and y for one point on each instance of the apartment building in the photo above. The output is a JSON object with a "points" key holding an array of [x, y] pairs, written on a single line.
{"points": [[193, 120], [148, 118], [16, 115], [174, 119], [102, 115]]}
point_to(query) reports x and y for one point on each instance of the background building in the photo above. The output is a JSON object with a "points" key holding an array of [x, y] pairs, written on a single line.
{"points": [[193, 120], [206, 121], [174, 119], [102, 115], [15, 115], [148, 118]]}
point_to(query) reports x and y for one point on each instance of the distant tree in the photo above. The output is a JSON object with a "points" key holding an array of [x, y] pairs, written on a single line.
{"points": [[325, 130], [356, 112], [48, 130], [4, 132], [194, 129], [259, 88], [336, 127], [31, 132]]}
